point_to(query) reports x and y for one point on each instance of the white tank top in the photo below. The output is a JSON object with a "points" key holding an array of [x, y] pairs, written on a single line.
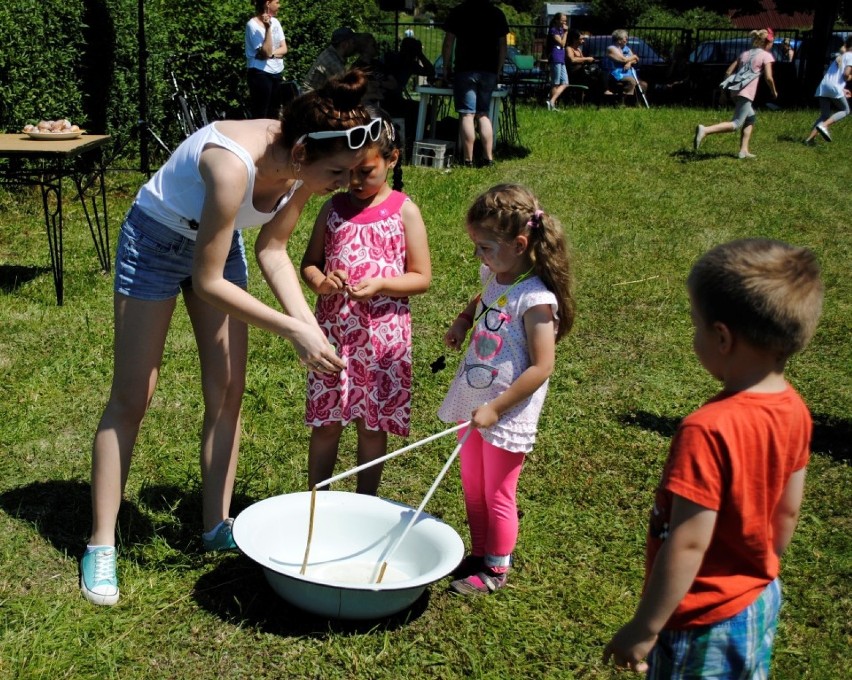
{"points": [[175, 194]]}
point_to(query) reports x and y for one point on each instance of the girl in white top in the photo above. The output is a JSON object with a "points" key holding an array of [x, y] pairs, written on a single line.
{"points": [[182, 236], [833, 93], [526, 306], [265, 49]]}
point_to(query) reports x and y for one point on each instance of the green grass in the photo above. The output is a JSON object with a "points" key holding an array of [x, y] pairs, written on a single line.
{"points": [[638, 207]]}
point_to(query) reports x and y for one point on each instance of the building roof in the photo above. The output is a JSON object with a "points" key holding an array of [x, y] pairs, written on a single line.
{"points": [[771, 17]]}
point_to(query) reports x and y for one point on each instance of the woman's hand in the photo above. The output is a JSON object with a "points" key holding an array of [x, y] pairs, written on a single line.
{"points": [[315, 351]]}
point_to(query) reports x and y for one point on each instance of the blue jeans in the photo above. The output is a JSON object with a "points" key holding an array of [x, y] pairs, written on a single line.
{"points": [[153, 262], [558, 74], [472, 91]]}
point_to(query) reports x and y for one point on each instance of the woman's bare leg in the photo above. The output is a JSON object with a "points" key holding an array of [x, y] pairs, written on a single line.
{"points": [[140, 334], [222, 349]]}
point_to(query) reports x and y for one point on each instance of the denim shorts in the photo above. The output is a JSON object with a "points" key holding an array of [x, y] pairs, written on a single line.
{"points": [[558, 74], [738, 647], [472, 91], [153, 262]]}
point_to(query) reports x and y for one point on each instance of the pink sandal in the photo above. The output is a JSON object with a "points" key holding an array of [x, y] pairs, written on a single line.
{"points": [[483, 583]]}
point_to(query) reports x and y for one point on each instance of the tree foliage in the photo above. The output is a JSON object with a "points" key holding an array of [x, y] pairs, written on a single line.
{"points": [[90, 72]]}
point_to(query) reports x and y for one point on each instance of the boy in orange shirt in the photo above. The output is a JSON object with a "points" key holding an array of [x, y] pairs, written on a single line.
{"points": [[731, 488]]}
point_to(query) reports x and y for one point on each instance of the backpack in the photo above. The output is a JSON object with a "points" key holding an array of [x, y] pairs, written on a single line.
{"points": [[743, 76]]}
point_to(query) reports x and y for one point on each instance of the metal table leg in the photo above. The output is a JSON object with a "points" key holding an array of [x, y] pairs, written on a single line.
{"points": [[51, 196], [92, 186]]}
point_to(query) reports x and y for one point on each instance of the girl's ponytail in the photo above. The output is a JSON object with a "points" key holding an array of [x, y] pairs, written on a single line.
{"points": [[553, 266]]}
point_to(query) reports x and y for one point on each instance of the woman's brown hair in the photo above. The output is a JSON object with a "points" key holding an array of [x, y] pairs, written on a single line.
{"points": [[334, 106]]}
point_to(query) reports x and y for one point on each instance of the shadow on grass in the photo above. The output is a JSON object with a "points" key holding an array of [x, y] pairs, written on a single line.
{"points": [[832, 436], [690, 156], [59, 511], [663, 425], [181, 510], [13, 276], [505, 152], [790, 138], [237, 592]]}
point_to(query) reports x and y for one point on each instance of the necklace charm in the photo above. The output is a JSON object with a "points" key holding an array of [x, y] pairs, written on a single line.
{"points": [[502, 300]]}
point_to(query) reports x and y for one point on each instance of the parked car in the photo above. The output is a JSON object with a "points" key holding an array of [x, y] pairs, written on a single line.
{"points": [[726, 50], [835, 42]]}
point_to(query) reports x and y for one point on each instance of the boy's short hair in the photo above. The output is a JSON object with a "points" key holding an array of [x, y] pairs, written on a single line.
{"points": [[767, 291]]}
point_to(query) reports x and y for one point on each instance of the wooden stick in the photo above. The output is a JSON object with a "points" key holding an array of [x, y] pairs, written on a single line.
{"points": [[423, 504], [388, 456], [626, 283], [310, 531]]}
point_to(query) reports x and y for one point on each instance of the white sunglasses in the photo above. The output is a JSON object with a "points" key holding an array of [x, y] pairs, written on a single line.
{"points": [[356, 136]]}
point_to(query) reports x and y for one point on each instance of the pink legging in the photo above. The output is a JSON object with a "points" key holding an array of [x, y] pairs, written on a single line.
{"points": [[489, 478]]}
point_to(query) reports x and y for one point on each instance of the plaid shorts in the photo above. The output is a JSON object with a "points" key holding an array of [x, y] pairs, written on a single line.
{"points": [[738, 647]]}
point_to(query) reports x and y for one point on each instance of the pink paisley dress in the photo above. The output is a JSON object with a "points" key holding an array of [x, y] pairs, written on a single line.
{"points": [[372, 336]]}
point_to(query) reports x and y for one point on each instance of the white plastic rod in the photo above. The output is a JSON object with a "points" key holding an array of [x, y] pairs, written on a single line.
{"points": [[423, 504], [388, 456]]}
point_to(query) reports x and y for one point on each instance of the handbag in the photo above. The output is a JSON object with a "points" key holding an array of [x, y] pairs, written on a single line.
{"points": [[592, 70]]}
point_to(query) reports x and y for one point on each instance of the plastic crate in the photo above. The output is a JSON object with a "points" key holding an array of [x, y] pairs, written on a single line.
{"points": [[433, 153], [425, 161]]}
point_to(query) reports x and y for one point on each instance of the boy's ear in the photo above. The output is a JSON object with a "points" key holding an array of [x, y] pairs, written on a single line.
{"points": [[724, 337]]}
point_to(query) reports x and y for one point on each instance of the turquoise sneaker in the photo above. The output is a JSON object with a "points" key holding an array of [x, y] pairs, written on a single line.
{"points": [[98, 579], [223, 539]]}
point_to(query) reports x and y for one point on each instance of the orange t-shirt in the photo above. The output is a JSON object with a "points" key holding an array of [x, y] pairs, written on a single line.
{"points": [[734, 456]]}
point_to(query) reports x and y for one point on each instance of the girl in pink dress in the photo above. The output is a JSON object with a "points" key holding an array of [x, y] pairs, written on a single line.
{"points": [[368, 253]]}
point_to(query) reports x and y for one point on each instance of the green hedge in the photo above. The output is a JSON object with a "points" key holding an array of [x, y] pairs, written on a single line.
{"points": [[79, 59]]}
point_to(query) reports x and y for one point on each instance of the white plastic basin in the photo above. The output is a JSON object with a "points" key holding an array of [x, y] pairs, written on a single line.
{"points": [[351, 538]]}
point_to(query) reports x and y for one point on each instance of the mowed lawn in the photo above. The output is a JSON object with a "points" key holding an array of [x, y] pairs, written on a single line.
{"points": [[638, 207]]}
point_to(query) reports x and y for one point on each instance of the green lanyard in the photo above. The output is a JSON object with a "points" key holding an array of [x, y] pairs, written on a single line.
{"points": [[504, 297]]}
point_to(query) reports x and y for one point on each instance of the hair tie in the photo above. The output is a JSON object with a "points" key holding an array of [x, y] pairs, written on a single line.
{"points": [[535, 220]]}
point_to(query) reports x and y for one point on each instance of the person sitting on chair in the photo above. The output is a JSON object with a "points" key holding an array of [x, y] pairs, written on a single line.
{"points": [[620, 62], [332, 60], [401, 66], [582, 69]]}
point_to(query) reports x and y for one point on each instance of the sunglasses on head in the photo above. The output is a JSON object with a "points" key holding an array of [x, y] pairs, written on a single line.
{"points": [[356, 136]]}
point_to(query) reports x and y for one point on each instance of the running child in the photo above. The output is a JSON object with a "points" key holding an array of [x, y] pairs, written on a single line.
{"points": [[526, 306], [833, 93], [367, 254], [729, 498], [742, 79]]}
